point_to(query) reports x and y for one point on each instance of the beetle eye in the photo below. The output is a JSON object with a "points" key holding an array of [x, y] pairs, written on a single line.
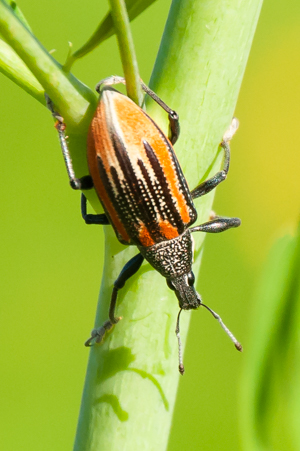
{"points": [[191, 279], [170, 285]]}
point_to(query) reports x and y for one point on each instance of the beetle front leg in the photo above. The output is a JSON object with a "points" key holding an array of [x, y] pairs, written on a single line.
{"points": [[129, 270], [172, 115], [217, 225], [85, 182], [210, 184]]}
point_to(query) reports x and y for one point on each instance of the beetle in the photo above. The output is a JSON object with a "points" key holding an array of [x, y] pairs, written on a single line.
{"points": [[145, 196]]}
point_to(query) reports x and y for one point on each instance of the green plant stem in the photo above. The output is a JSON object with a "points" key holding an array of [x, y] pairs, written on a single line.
{"points": [[127, 52], [14, 68], [75, 101], [132, 377], [28, 64]]}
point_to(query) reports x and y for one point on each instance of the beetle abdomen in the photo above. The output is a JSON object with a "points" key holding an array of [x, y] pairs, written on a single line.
{"points": [[136, 173]]}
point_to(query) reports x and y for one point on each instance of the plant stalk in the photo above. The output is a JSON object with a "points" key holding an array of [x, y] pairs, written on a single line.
{"points": [[132, 378], [127, 52]]}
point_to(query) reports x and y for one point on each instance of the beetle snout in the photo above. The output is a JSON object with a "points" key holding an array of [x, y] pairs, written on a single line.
{"points": [[187, 296]]}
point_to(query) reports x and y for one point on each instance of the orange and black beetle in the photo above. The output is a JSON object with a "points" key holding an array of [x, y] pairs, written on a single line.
{"points": [[145, 196]]}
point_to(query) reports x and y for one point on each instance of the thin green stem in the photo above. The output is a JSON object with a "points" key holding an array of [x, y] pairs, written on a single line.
{"points": [[105, 30], [127, 52]]}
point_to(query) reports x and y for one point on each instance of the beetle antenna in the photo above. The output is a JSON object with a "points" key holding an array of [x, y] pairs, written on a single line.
{"points": [[177, 331], [230, 334]]}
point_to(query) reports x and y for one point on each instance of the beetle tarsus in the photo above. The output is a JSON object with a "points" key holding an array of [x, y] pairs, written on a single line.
{"points": [[97, 335]]}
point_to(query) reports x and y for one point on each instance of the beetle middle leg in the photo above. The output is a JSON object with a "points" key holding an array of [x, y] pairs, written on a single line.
{"points": [[101, 219], [172, 115], [129, 270], [211, 183]]}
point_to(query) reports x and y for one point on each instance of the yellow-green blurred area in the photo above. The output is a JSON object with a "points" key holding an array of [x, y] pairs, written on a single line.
{"points": [[51, 262]]}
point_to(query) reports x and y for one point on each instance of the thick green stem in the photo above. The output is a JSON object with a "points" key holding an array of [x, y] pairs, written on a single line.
{"points": [[127, 52], [132, 377]]}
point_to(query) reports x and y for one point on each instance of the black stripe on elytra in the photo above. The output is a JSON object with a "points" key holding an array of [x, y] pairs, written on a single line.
{"points": [[145, 212], [128, 216], [149, 187], [182, 183], [108, 188], [168, 198]]}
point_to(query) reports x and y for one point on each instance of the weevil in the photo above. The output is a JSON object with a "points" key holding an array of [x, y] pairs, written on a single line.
{"points": [[138, 179]]}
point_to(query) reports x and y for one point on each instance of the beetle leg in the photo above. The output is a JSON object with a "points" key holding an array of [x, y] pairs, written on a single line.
{"points": [[129, 270], [92, 219], [210, 184], [217, 225], [109, 81], [172, 115], [84, 182]]}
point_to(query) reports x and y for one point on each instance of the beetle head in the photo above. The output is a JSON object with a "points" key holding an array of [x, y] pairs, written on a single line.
{"points": [[183, 286]]}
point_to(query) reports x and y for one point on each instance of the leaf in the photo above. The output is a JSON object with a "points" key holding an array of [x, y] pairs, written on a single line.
{"points": [[271, 387]]}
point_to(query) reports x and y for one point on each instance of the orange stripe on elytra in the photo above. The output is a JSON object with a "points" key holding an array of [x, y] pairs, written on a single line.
{"points": [[168, 230], [98, 144], [136, 127], [144, 237]]}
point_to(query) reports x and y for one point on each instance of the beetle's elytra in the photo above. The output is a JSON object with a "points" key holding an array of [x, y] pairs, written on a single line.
{"points": [[136, 174], [138, 179]]}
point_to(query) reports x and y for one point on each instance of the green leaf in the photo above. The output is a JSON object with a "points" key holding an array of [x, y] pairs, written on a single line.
{"points": [[271, 387]]}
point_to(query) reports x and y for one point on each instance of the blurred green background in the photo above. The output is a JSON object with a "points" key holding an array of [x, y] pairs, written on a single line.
{"points": [[51, 262]]}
